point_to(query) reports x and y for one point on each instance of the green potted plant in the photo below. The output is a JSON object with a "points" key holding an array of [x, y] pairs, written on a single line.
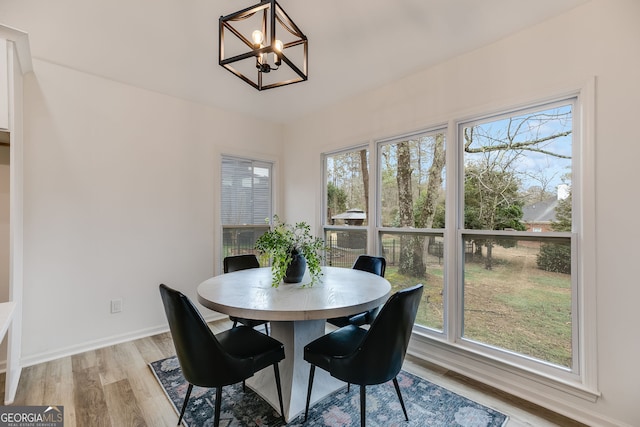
{"points": [[286, 244]]}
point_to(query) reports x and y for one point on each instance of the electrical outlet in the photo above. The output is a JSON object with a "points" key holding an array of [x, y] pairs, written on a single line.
{"points": [[116, 305]]}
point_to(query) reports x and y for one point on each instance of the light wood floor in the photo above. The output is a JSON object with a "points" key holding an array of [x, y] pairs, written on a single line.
{"points": [[114, 386]]}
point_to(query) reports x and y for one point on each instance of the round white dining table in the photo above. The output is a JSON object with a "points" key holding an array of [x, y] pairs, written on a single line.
{"points": [[298, 313]]}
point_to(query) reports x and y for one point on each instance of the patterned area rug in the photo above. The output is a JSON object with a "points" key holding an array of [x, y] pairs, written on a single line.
{"points": [[427, 405]]}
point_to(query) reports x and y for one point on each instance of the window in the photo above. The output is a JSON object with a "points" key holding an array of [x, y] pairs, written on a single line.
{"points": [[347, 203], [246, 203], [410, 182], [412, 215], [504, 273], [518, 293]]}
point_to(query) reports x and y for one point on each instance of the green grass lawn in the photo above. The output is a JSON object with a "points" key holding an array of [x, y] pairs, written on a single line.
{"points": [[514, 306]]}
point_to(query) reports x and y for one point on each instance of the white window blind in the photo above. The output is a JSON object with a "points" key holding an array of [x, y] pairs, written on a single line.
{"points": [[246, 191]]}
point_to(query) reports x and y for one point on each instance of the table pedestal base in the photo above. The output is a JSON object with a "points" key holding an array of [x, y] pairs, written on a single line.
{"points": [[294, 370]]}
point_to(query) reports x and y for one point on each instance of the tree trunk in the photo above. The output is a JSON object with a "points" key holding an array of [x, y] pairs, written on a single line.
{"points": [[405, 197], [434, 183], [488, 263], [364, 166], [405, 210]]}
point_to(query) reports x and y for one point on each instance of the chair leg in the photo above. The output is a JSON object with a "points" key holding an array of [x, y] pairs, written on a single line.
{"points": [[306, 409], [397, 386], [186, 400], [235, 323], [276, 370], [216, 411], [363, 406], [266, 328]]}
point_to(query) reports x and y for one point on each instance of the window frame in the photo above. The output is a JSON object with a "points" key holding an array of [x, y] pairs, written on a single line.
{"points": [[270, 165], [381, 230], [325, 203], [582, 382], [505, 355], [447, 348]]}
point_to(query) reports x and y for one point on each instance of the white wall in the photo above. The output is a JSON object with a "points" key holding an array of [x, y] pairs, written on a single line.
{"points": [[121, 194], [599, 39]]}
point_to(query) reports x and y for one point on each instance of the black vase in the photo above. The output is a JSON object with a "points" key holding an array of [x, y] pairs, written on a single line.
{"points": [[296, 268]]}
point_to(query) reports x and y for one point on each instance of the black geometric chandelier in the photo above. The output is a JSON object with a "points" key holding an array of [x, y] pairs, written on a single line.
{"points": [[263, 46]]}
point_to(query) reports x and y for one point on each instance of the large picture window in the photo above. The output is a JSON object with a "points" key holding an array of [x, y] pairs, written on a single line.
{"points": [[246, 203], [488, 221], [518, 290]]}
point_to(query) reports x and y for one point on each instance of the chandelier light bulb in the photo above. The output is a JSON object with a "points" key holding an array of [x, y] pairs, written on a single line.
{"points": [[257, 37], [277, 47]]}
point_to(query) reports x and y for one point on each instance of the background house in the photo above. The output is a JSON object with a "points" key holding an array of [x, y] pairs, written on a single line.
{"points": [[538, 216], [121, 180]]}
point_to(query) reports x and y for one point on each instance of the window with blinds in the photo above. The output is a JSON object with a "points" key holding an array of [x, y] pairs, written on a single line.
{"points": [[246, 203]]}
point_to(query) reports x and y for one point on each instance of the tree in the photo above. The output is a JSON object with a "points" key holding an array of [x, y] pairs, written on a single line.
{"points": [[427, 206], [492, 199], [556, 257], [403, 177], [495, 158], [336, 200], [497, 148], [496, 153], [492, 202], [364, 167], [563, 215], [541, 191], [347, 179], [410, 246], [519, 134]]}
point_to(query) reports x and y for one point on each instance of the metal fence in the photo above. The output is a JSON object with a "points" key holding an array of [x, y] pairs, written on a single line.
{"points": [[239, 240]]}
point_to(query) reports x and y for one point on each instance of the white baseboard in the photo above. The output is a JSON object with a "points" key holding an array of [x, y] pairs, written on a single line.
{"points": [[35, 359]]}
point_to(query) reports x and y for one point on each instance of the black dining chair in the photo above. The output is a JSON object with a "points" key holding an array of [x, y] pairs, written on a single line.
{"points": [[209, 360], [243, 262], [368, 356], [371, 264]]}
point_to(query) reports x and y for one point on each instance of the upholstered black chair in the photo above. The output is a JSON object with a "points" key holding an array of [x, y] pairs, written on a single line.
{"points": [[368, 356], [371, 264], [209, 360], [243, 262]]}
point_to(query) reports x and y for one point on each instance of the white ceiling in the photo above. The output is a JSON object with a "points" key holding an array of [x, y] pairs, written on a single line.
{"points": [[170, 46]]}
